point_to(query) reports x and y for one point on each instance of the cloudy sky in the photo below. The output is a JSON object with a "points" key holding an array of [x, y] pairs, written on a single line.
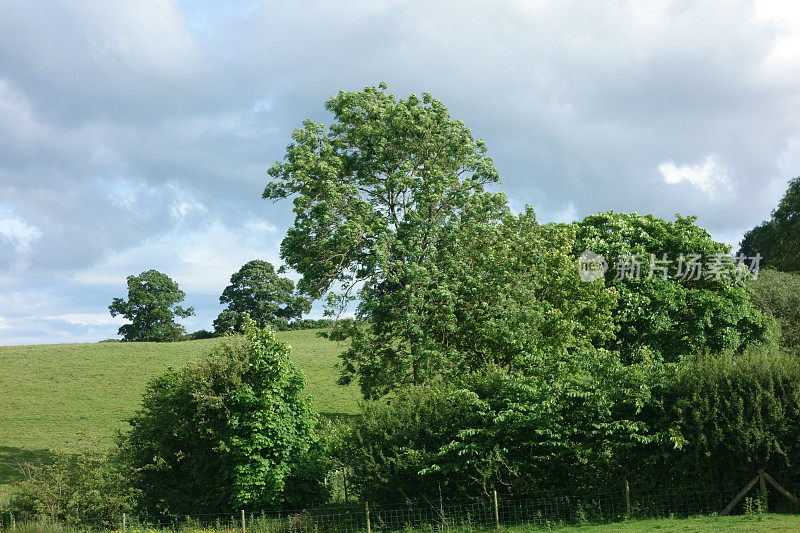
{"points": [[137, 135]]}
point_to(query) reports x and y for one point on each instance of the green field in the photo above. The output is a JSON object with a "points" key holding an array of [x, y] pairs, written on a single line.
{"points": [[63, 396], [701, 524]]}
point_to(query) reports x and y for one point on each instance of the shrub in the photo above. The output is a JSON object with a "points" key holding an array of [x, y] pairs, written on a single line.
{"points": [[734, 414], [226, 433], [580, 423], [571, 424], [80, 489], [778, 294]]}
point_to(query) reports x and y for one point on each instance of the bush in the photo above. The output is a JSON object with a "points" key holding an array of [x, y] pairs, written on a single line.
{"points": [[80, 489], [732, 414], [570, 425], [233, 431], [583, 423], [777, 294]]}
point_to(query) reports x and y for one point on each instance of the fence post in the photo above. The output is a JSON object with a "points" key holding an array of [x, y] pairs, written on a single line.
{"points": [[627, 500], [344, 478], [366, 508], [124, 523], [496, 510], [244, 530]]}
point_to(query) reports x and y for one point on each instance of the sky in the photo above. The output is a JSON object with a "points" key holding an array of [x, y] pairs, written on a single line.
{"points": [[137, 135]]}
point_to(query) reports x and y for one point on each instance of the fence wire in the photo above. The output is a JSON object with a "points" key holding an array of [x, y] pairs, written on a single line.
{"points": [[544, 509]]}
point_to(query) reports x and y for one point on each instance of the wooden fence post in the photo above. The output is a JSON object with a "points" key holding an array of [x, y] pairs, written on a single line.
{"points": [[738, 498], [780, 488], [124, 523], [366, 508], [496, 510], [244, 530], [627, 500]]}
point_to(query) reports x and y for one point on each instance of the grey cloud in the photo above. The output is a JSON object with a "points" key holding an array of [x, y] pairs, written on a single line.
{"points": [[128, 128]]}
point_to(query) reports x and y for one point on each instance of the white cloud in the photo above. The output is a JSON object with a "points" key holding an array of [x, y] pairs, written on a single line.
{"points": [[201, 261], [88, 319], [16, 231], [707, 176], [261, 226]]}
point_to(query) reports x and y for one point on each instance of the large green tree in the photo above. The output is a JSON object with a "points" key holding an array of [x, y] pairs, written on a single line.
{"points": [[390, 201], [373, 197], [777, 240], [256, 289], [152, 306], [679, 291]]}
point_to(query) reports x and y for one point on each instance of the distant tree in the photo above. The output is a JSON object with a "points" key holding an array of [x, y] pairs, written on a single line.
{"points": [[151, 307], [675, 309], [234, 430], [778, 239], [256, 289], [777, 294]]}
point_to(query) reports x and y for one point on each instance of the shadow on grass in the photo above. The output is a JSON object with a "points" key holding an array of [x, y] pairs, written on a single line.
{"points": [[12, 459]]}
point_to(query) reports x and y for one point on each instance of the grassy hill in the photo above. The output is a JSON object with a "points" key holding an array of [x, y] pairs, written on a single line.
{"points": [[62, 396]]}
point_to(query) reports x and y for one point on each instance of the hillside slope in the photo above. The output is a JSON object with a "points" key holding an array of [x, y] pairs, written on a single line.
{"points": [[63, 396]]}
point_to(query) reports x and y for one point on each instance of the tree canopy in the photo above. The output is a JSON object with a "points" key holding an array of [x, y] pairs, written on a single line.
{"points": [[152, 306], [390, 204], [671, 309], [258, 290], [376, 196]]}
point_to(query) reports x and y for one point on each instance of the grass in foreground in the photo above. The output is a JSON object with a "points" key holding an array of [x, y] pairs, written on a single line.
{"points": [[702, 524], [698, 524], [65, 396]]}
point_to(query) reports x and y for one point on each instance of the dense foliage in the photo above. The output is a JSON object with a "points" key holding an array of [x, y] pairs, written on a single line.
{"points": [[663, 305], [777, 294], [488, 362], [152, 306], [233, 431], [504, 295], [257, 290], [573, 422], [733, 414], [778, 239], [83, 489], [583, 423]]}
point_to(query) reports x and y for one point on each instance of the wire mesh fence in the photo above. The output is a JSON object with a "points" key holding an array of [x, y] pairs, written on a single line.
{"points": [[485, 512]]}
